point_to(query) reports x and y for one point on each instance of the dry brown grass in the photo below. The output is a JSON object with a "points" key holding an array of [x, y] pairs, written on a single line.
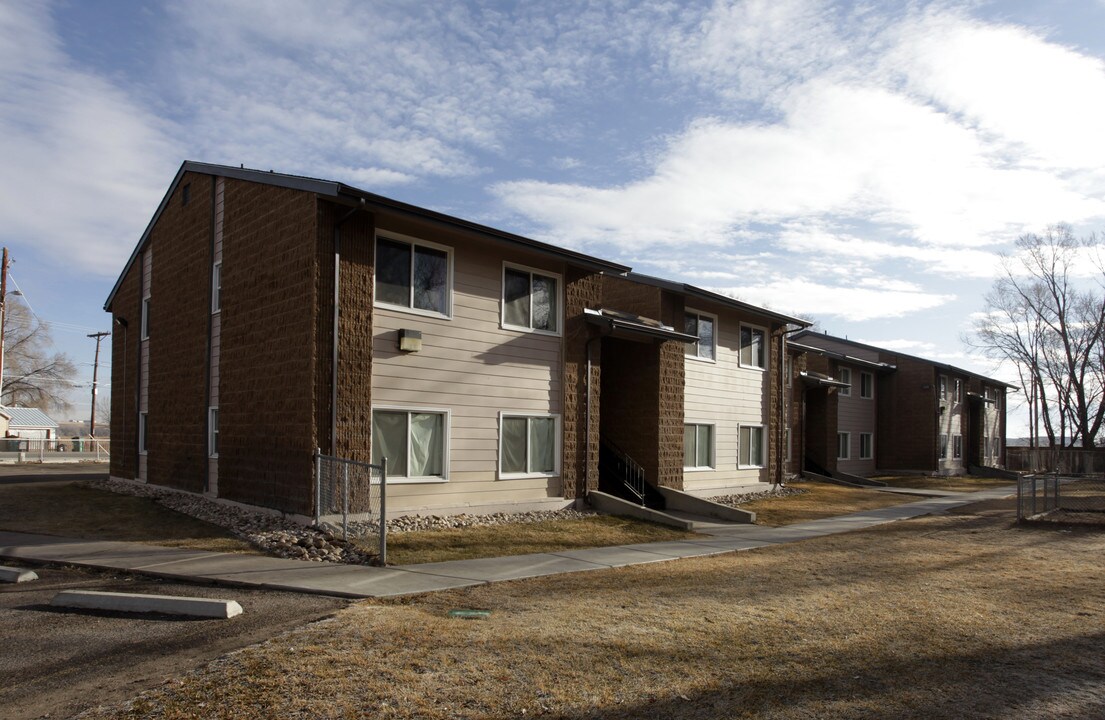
{"points": [[81, 512], [955, 483], [820, 500], [522, 538], [956, 616]]}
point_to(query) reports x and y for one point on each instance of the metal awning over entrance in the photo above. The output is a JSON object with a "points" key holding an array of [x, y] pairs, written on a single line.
{"points": [[627, 326], [813, 379]]}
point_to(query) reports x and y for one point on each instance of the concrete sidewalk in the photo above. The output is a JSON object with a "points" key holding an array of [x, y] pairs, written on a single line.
{"points": [[358, 581]]}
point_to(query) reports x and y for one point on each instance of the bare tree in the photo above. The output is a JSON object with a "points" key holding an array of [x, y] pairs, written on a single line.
{"points": [[34, 375], [1046, 315]]}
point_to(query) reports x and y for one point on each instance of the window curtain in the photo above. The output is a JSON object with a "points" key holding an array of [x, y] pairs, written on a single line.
{"points": [[544, 303], [706, 337], [514, 445], [704, 445], [689, 436], [542, 443], [427, 444], [389, 440]]}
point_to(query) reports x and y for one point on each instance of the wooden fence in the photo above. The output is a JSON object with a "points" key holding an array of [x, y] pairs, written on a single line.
{"points": [[1065, 461]]}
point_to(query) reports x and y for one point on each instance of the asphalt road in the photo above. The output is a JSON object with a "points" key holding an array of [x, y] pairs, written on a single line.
{"points": [[57, 662]]}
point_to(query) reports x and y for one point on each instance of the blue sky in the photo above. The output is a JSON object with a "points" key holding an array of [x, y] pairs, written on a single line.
{"points": [[861, 164]]}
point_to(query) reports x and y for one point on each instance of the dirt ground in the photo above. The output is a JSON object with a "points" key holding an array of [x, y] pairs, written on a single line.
{"points": [[964, 615], [58, 662]]}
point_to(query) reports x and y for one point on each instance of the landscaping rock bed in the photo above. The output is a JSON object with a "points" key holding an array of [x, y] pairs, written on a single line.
{"points": [[777, 491], [284, 538]]}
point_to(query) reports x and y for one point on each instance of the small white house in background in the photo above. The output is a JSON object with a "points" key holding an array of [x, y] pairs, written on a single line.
{"points": [[29, 424]]}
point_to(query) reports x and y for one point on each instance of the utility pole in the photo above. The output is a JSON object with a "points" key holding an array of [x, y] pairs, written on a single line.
{"points": [[95, 370], [3, 313]]}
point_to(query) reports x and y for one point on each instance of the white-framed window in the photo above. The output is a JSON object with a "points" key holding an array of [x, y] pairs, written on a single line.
{"points": [[943, 384], [958, 390], [995, 448], [843, 445], [845, 376], [145, 322], [415, 442], [414, 275], [698, 446], [531, 299], [529, 445], [703, 326], [866, 385], [957, 446], [213, 431], [753, 352], [216, 287], [143, 432], [986, 445], [943, 447], [866, 446], [751, 450]]}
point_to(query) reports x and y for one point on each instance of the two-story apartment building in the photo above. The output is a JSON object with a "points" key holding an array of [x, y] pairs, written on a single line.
{"points": [[859, 409], [264, 316]]}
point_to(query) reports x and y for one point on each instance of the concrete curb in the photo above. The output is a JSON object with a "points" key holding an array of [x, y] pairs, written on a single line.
{"points": [[133, 602], [16, 575]]}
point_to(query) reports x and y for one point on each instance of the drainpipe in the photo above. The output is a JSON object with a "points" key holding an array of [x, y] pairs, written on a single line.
{"points": [[587, 409], [334, 355]]}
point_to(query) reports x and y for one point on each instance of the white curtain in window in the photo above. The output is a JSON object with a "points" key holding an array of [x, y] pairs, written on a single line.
{"points": [[544, 303], [542, 444], [689, 436], [389, 440], [514, 445], [756, 448], [703, 458], [427, 444]]}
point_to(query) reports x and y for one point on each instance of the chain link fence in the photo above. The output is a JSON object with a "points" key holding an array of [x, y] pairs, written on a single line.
{"points": [[52, 450], [351, 501], [1060, 498]]}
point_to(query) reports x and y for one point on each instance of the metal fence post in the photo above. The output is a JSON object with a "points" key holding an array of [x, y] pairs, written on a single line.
{"points": [[318, 487], [383, 512], [345, 502]]}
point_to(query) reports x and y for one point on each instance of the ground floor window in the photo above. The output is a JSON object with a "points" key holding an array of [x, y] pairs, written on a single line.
{"points": [[957, 446], [527, 445], [751, 446], [843, 446], [413, 441], [943, 447], [698, 446], [866, 446]]}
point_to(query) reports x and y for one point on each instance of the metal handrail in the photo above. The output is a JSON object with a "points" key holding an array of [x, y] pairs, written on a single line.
{"points": [[628, 471]]}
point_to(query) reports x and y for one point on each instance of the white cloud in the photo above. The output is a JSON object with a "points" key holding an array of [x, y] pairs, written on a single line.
{"points": [[848, 302], [84, 163]]}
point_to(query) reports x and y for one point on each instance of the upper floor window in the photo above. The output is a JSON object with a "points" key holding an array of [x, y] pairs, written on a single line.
{"points": [[145, 322], [845, 376], [413, 275], [704, 327], [752, 348], [958, 390], [943, 385], [866, 385], [531, 299], [217, 287]]}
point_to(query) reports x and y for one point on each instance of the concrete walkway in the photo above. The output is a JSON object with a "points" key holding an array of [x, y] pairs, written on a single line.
{"points": [[358, 581]]}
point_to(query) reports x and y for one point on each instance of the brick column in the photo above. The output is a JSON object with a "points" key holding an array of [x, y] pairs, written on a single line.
{"points": [[582, 289]]}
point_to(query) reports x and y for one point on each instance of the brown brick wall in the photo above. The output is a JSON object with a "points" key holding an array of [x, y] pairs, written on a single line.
{"points": [[124, 374], [180, 305], [906, 425], [628, 296], [582, 289], [266, 405], [358, 248]]}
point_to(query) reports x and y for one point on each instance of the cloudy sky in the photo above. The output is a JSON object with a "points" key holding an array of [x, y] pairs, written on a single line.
{"points": [[859, 164]]}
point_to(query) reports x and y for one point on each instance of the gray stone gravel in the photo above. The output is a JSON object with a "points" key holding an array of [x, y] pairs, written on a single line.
{"points": [[777, 491], [285, 538]]}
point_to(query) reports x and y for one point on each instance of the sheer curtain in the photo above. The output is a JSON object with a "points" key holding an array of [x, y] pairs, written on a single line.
{"points": [[542, 443], [427, 444], [389, 440]]}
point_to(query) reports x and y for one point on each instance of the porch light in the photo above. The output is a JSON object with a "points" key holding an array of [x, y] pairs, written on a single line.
{"points": [[410, 340]]}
